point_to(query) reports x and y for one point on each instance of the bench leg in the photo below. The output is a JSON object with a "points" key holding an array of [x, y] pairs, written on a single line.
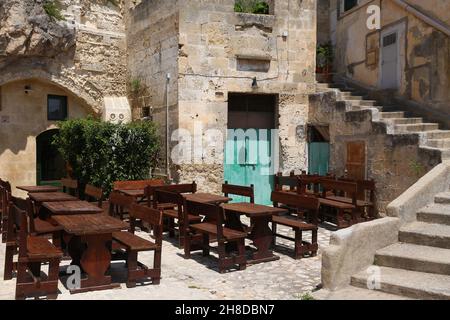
{"points": [[298, 244], [241, 252], [187, 246], [222, 257], [206, 247], [132, 268], [9, 257], [274, 234], [171, 226], [157, 266], [314, 242]]}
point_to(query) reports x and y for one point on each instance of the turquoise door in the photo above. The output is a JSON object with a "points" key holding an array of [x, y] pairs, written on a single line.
{"points": [[319, 158], [248, 161]]}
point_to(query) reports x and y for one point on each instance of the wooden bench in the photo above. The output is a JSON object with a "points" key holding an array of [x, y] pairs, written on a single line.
{"points": [[33, 252], [233, 221], [172, 205], [134, 244], [301, 203], [137, 184], [70, 186], [119, 204], [4, 188], [365, 197], [175, 188], [95, 195], [289, 183], [198, 236]]}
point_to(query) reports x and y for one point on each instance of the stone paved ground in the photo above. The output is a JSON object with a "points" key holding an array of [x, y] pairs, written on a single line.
{"points": [[197, 278]]}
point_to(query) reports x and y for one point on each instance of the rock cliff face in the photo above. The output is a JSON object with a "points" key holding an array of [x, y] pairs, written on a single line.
{"points": [[27, 31]]}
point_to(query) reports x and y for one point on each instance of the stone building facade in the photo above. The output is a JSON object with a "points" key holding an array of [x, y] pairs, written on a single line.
{"points": [[81, 59], [408, 58], [212, 52]]}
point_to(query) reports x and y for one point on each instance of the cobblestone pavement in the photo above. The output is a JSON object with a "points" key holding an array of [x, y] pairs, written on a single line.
{"points": [[198, 278]]}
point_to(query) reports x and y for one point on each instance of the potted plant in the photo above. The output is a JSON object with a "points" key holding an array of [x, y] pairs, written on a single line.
{"points": [[325, 60]]}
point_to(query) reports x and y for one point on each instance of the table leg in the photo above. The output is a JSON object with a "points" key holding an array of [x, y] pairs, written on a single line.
{"points": [[262, 239], [233, 221], [95, 261]]}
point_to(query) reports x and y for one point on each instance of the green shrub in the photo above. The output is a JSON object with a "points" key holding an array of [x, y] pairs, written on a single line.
{"points": [[324, 55], [53, 9], [100, 153], [251, 6]]}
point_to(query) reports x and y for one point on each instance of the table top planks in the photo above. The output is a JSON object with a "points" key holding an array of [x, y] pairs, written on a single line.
{"points": [[90, 224], [252, 210], [51, 197], [208, 198], [133, 193], [71, 207], [35, 189]]}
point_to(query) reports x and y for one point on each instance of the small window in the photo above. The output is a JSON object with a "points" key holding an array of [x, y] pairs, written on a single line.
{"points": [[390, 40], [348, 4], [56, 107]]}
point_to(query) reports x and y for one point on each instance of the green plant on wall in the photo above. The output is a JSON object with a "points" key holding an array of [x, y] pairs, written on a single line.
{"points": [[417, 168], [324, 55], [251, 6], [113, 2], [100, 153], [53, 9], [135, 85]]}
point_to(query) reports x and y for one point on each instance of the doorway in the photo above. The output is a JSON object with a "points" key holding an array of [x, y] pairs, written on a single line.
{"points": [[318, 149], [390, 60], [356, 160], [248, 150], [50, 166]]}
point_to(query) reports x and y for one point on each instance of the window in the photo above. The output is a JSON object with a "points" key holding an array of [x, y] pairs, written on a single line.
{"points": [[348, 5], [56, 107]]}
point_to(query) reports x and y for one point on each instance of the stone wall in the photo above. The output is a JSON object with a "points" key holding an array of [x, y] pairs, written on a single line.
{"points": [[394, 161], [424, 72], [212, 38], [323, 21]]}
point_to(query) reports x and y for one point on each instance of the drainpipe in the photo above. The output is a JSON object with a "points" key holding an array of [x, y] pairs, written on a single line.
{"points": [[167, 128], [432, 22]]}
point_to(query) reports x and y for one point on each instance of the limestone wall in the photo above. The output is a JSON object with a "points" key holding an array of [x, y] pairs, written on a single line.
{"points": [[22, 118], [212, 39], [395, 162], [323, 21], [424, 71]]}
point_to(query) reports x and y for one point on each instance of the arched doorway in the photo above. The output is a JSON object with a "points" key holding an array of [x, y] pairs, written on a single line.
{"points": [[50, 165]]}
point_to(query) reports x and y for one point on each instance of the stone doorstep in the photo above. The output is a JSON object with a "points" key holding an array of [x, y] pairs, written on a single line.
{"points": [[439, 143], [417, 127], [355, 293], [415, 258], [438, 213], [434, 235], [417, 285], [438, 134], [442, 198], [391, 115]]}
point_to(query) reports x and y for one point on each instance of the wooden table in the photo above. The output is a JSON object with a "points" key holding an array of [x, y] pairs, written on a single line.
{"points": [[71, 208], [34, 189], [261, 234], [133, 193], [51, 197], [208, 198], [90, 237]]}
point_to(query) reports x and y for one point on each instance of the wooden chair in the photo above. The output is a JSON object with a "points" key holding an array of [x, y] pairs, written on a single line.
{"points": [[344, 192], [172, 205], [134, 244], [95, 195], [33, 252], [120, 204], [12, 235], [302, 203], [70, 186], [4, 188], [229, 189], [198, 236]]}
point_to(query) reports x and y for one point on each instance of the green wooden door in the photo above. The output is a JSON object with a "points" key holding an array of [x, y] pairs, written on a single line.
{"points": [[319, 158], [248, 161]]}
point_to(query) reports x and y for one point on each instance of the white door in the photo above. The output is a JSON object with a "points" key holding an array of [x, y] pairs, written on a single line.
{"points": [[389, 62]]}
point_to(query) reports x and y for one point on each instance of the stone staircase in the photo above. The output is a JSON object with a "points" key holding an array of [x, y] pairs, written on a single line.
{"points": [[397, 122], [419, 265]]}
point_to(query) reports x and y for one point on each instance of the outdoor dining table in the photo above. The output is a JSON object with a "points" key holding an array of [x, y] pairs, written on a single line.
{"points": [[51, 197], [208, 198], [76, 207], [89, 239], [35, 189], [260, 233]]}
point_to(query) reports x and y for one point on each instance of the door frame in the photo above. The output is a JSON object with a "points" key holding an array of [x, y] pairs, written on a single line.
{"points": [[399, 28]]}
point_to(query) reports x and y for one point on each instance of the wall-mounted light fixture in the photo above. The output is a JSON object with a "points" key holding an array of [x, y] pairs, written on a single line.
{"points": [[254, 83], [28, 89]]}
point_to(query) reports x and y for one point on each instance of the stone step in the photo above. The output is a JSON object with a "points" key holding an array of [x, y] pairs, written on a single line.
{"points": [[355, 293], [350, 97], [420, 127], [443, 197], [438, 134], [413, 284], [437, 213], [439, 143], [406, 120], [427, 234], [392, 115], [415, 258]]}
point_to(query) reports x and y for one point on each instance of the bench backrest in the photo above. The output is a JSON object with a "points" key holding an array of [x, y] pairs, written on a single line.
{"points": [[295, 201], [350, 189], [175, 188], [230, 189], [70, 186], [366, 188], [163, 196], [212, 213], [149, 215], [119, 203], [291, 181], [137, 184], [94, 193]]}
